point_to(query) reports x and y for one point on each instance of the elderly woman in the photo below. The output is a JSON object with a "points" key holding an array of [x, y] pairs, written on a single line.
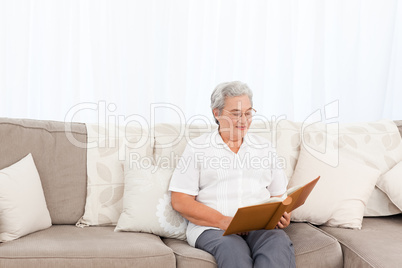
{"points": [[212, 181]]}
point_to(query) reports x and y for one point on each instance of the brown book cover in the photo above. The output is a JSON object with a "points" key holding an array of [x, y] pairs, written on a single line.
{"points": [[267, 215]]}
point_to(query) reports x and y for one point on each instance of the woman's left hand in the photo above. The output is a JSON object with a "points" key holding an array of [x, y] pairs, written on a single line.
{"points": [[284, 221]]}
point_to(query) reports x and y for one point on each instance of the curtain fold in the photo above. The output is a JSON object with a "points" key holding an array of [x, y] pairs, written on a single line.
{"points": [[82, 60]]}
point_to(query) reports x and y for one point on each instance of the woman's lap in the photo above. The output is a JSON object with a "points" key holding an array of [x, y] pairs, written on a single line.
{"points": [[257, 249]]}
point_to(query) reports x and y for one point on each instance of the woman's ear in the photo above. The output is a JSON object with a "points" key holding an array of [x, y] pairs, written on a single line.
{"points": [[216, 113]]}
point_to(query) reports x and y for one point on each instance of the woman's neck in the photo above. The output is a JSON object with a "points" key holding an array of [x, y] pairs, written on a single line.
{"points": [[233, 144]]}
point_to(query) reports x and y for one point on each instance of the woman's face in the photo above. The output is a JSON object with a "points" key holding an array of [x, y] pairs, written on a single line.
{"points": [[234, 119]]}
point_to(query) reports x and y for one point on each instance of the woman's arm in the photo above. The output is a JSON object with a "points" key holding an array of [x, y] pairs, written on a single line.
{"points": [[198, 213]]}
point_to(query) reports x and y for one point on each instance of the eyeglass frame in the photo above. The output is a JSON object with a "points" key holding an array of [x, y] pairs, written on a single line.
{"points": [[241, 113]]}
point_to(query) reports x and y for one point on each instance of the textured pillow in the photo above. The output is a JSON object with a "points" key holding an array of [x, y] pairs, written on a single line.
{"points": [[376, 144], [391, 184], [23, 207], [147, 203], [340, 196], [107, 150]]}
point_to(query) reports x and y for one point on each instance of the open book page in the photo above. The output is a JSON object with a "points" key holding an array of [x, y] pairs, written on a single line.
{"points": [[277, 198], [292, 189], [270, 200]]}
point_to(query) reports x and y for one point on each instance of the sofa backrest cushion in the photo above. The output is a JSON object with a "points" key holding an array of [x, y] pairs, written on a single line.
{"points": [[398, 123], [61, 165]]}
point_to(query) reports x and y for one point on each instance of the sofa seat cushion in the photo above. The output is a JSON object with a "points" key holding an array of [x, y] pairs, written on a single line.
{"points": [[377, 244], [313, 248], [188, 256], [70, 246]]}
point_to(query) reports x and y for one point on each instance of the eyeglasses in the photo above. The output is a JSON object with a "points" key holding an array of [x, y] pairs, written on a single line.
{"points": [[237, 114]]}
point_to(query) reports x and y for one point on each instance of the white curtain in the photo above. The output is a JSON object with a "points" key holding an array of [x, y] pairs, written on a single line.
{"points": [[88, 61]]}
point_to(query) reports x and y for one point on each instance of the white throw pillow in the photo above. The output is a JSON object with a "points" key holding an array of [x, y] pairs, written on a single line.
{"points": [[340, 196], [147, 203], [23, 207], [391, 184]]}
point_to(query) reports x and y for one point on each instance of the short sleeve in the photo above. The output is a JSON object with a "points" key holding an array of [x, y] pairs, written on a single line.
{"points": [[279, 182], [186, 176]]}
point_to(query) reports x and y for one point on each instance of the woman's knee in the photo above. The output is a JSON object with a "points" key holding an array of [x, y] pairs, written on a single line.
{"points": [[272, 247], [229, 251], [283, 241], [233, 242], [214, 241], [275, 237]]}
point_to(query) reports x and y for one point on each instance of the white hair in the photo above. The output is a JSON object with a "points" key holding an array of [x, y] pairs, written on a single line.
{"points": [[229, 89]]}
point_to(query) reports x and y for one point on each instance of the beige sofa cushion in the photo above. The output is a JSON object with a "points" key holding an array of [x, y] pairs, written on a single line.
{"points": [[188, 256], [69, 246], [314, 248], [398, 123], [377, 244], [61, 165]]}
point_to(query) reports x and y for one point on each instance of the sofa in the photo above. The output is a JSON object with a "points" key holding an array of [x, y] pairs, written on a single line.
{"points": [[62, 167]]}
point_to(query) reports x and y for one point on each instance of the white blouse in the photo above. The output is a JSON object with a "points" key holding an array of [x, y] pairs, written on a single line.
{"points": [[224, 180]]}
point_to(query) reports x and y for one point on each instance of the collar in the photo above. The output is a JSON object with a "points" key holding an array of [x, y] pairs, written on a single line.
{"points": [[216, 139]]}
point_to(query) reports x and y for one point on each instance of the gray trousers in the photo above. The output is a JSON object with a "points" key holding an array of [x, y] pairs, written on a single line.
{"points": [[262, 248]]}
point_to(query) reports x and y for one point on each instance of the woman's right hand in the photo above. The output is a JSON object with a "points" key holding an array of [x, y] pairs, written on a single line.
{"points": [[224, 222]]}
